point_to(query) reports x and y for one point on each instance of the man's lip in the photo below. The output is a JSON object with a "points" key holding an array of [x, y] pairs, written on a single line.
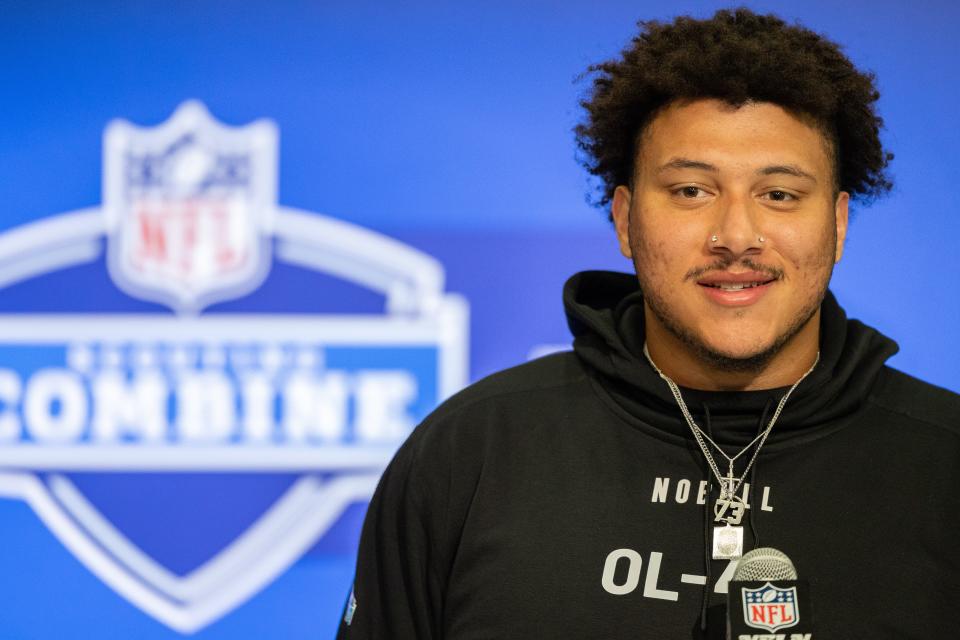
{"points": [[727, 277]]}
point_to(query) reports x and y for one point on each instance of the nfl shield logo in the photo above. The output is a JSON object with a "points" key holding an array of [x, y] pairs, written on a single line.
{"points": [[188, 204], [770, 608]]}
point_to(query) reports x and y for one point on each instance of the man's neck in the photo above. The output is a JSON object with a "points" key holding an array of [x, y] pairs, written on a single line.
{"points": [[687, 368]]}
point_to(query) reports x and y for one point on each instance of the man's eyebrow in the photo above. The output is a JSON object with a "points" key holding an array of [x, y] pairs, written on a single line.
{"points": [[686, 163], [788, 169]]}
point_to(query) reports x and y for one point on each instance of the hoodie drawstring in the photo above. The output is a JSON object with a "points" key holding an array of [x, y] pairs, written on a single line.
{"points": [[753, 477], [707, 544]]}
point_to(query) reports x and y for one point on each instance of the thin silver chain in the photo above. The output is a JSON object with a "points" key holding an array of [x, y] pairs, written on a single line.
{"points": [[699, 435]]}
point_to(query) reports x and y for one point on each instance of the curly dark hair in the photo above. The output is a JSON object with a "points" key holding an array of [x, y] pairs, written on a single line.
{"points": [[736, 56]]}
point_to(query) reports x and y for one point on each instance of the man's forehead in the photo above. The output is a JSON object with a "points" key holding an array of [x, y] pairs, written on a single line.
{"points": [[711, 134]]}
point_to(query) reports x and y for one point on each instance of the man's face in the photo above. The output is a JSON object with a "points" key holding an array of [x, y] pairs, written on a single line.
{"points": [[711, 181]]}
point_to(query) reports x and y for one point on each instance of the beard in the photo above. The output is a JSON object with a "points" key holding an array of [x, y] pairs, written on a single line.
{"points": [[751, 363]]}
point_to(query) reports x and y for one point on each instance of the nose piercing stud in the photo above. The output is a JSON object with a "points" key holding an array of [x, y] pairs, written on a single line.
{"points": [[714, 238]]}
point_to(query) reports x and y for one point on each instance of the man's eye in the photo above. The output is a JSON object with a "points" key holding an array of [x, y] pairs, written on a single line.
{"points": [[780, 196], [690, 192]]}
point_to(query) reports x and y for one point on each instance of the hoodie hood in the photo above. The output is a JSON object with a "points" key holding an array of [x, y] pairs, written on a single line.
{"points": [[605, 314]]}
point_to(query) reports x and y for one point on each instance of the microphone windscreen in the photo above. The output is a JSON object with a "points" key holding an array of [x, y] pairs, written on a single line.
{"points": [[764, 564]]}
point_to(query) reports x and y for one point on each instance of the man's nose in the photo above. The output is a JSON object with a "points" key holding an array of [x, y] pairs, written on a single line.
{"points": [[737, 228]]}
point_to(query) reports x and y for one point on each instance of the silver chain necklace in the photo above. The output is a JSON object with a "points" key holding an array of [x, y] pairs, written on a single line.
{"points": [[729, 508]]}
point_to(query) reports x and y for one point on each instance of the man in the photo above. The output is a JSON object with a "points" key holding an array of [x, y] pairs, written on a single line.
{"points": [[725, 403]]}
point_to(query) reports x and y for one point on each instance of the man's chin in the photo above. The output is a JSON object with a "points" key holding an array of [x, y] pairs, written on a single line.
{"points": [[727, 353], [743, 360]]}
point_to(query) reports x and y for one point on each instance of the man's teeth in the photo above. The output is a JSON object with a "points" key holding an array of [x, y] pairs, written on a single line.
{"points": [[736, 286]]}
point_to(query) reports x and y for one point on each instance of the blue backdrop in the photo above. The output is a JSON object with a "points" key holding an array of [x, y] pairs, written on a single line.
{"points": [[446, 126]]}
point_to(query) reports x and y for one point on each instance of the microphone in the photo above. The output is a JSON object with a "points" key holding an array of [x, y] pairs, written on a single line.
{"points": [[765, 600]]}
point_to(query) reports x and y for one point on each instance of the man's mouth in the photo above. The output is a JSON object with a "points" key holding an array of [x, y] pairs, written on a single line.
{"points": [[736, 289]]}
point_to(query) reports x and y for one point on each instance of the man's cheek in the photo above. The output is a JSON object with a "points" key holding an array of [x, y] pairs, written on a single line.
{"points": [[655, 256]]}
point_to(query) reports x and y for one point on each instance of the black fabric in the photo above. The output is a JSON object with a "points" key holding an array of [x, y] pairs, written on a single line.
{"points": [[498, 516]]}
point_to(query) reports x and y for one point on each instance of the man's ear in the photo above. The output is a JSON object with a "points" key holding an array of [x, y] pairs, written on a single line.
{"points": [[842, 213], [620, 209]]}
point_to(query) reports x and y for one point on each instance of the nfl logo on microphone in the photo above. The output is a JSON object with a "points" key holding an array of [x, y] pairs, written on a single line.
{"points": [[770, 608], [202, 421]]}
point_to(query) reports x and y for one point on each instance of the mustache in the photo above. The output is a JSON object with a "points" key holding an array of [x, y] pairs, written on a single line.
{"points": [[722, 265]]}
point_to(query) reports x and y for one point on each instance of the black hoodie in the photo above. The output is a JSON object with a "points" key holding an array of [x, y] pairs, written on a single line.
{"points": [[566, 498]]}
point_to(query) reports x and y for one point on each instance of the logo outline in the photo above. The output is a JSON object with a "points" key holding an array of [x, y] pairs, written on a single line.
{"points": [[416, 306]]}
